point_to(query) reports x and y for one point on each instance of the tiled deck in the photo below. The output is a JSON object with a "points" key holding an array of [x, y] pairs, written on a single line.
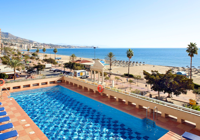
{"points": [[17, 114]]}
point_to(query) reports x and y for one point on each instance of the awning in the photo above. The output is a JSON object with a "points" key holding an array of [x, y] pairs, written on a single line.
{"points": [[11, 72]]}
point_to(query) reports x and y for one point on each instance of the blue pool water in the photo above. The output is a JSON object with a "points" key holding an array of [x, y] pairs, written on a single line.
{"points": [[63, 114]]}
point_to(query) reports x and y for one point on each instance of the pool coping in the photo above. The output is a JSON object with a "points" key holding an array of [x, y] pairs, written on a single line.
{"points": [[139, 113]]}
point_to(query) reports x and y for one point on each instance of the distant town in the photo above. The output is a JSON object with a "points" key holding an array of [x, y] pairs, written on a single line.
{"points": [[11, 41]]}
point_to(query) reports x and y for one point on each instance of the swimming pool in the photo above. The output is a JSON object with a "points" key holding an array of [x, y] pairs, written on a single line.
{"points": [[63, 114]]}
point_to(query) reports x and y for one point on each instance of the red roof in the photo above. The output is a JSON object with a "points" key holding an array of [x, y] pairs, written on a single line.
{"points": [[83, 61]]}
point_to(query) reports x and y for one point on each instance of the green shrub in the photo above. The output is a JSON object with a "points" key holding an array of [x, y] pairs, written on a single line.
{"points": [[3, 76], [136, 91], [196, 86], [50, 60], [39, 67], [130, 75], [34, 54], [32, 57], [5, 59], [105, 74], [137, 77], [107, 78]]}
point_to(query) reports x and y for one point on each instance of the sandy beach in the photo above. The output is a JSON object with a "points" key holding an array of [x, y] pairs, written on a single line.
{"points": [[135, 70]]}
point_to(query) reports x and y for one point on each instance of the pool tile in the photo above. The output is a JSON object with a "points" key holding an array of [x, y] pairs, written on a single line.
{"points": [[19, 128], [28, 130], [26, 137]]}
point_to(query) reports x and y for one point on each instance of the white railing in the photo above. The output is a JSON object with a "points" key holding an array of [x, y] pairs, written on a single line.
{"points": [[155, 101]]}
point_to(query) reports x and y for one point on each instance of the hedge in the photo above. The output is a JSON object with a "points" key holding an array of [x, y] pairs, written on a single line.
{"points": [[130, 75]]}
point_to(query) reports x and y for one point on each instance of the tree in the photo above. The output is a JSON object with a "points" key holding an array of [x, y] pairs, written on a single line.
{"points": [[137, 77], [37, 51], [15, 64], [117, 78], [55, 51], [7, 50], [39, 67], [69, 65], [28, 50], [73, 57], [44, 50], [107, 78], [26, 57], [168, 82], [191, 50], [5, 60], [3, 76], [50, 60], [34, 54], [19, 53], [45, 55], [110, 57], [129, 54], [130, 82]]}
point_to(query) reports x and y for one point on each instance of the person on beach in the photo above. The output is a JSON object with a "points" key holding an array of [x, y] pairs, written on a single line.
{"points": [[127, 79]]}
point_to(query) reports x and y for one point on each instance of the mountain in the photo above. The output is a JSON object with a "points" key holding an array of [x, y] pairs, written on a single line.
{"points": [[7, 37]]}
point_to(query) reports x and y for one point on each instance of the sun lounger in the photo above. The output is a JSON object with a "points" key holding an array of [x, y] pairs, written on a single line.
{"points": [[6, 126], [8, 135], [4, 119], [2, 108], [3, 113], [190, 136], [0, 103]]}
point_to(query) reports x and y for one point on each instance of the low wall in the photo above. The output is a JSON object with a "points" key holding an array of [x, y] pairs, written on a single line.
{"points": [[166, 109], [31, 83]]}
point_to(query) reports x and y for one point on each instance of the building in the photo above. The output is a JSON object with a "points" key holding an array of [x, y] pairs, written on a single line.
{"points": [[9, 71], [87, 63]]}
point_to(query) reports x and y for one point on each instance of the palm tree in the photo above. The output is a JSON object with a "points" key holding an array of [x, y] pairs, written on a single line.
{"points": [[44, 50], [110, 56], [37, 51], [191, 50], [28, 50], [55, 51], [129, 54], [72, 57], [15, 64]]}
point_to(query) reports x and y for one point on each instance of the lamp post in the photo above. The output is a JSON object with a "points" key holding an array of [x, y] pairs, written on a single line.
{"points": [[94, 52]]}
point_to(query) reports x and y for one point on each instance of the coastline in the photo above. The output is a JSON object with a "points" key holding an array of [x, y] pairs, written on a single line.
{"points": [[135, 70]]}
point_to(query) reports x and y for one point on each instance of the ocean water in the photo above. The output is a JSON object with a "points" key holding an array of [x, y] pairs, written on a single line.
{"points": [[156, 56], [63, 114]]}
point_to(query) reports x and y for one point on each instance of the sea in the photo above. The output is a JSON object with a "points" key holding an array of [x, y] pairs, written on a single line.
{"points": [[177, 57]]}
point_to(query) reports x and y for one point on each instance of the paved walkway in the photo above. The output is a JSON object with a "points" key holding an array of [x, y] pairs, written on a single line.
{"points": [[141, 85]]}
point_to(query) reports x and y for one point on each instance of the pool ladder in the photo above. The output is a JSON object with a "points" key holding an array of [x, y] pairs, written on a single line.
{"points": [[6, 91], [149, 121]]}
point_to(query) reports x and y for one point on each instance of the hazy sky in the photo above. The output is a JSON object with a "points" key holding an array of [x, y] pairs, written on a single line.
{"points": [[104, 23]]}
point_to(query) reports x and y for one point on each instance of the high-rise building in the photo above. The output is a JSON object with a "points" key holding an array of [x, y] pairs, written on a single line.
{"points": [[1, 45], [0, 36]]}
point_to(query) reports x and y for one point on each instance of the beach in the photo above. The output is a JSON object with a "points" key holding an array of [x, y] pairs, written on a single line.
{"points": [[135, 70]]}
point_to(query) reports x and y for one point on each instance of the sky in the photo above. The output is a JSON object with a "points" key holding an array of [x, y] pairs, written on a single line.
{"points": [[104, 23]]}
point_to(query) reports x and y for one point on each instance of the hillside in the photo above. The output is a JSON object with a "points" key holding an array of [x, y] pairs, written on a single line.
{"points": [[7, 37]]}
